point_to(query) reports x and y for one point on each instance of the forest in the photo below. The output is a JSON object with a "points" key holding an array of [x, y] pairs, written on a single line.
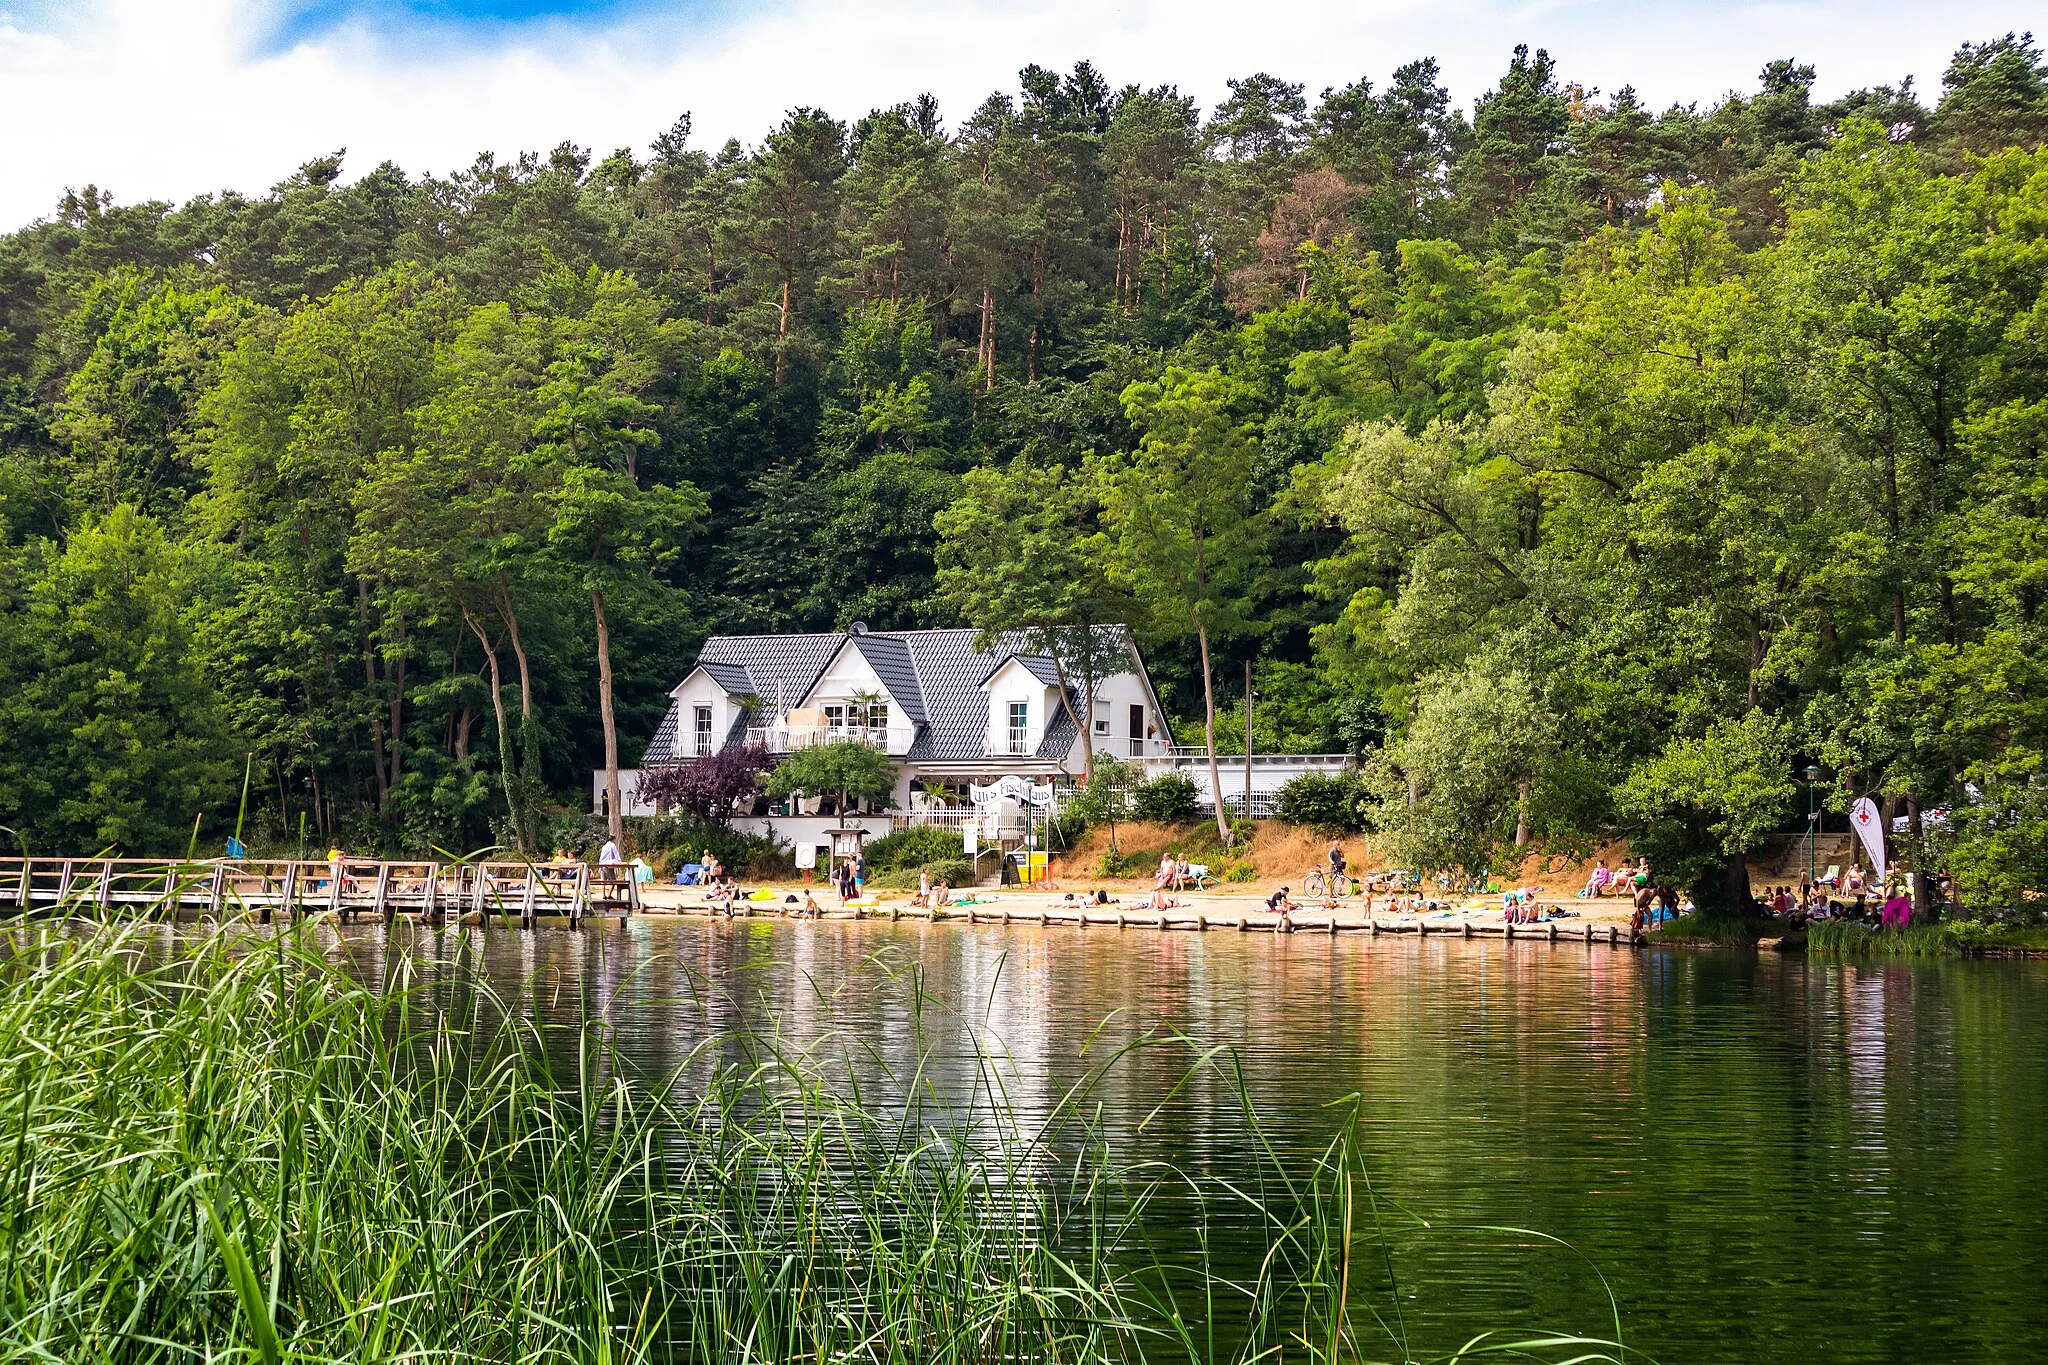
{"points": [[1587, 469]]}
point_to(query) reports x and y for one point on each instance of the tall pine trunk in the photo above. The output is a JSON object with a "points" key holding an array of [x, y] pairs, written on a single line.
{"points": [[504, 739], [1209, 723], [617, 821]]}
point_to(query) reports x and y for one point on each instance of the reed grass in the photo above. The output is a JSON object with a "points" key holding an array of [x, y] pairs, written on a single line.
{"points": [[222, 1146], [1842, 938]]}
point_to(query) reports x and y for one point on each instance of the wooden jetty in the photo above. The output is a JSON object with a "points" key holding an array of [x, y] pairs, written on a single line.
{"points": [[436, 892], [348, 888]]}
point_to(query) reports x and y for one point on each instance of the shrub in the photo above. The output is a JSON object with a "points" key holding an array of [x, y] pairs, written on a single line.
{"points": [[669, 841], [911, 848], [1169, 799], [707, 787], [1114, 864], [1240, 872], [953, 871], [1334, 801]]}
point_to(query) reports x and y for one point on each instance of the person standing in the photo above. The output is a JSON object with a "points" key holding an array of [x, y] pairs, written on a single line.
{"points": [[860, 875]]}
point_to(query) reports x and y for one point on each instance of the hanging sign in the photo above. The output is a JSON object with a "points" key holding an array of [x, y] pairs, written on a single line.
{"points": [[1869, 827]]}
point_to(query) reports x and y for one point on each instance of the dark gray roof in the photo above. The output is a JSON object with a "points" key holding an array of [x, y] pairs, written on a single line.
{"points": [[1059, 729], [934, 677], [732, 677], [662, 748], [1037, 665], [889, 656]]}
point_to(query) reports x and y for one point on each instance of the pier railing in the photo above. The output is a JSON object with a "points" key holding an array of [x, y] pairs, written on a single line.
{"points": [[347, 887]]}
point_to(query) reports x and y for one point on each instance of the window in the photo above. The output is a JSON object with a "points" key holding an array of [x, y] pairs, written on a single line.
{"points": [[877, 717], [1102, 726], [835, 718], [1137, 731], [1020, 724], [702, 732]]}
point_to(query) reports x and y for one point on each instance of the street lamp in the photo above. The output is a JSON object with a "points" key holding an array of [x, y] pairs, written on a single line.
{"points": [[1812, 818]]}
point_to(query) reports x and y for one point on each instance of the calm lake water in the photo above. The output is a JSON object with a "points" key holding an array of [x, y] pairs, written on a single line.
{"points": [[1769, 1159]]}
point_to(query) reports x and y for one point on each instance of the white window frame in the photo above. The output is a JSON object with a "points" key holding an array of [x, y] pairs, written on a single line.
{"points": [[700, 731], [1020, 727]]}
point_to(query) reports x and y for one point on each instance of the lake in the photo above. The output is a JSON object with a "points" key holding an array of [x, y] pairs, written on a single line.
{"points": [[1767, 1158]]}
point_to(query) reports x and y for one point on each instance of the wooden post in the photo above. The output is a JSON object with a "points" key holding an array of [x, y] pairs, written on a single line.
{"points": [[582, 892], [21, 892], [337, 879], [1468, 928], [431, 893], [105, 894], [290, 888], [381, 907], [218, 890], [526, 900]]}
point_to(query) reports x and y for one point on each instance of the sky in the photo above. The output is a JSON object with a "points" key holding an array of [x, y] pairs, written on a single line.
{"points": [[165, 99]]}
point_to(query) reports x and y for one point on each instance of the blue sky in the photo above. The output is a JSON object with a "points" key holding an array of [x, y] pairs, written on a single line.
{"points": [[171, 98]]}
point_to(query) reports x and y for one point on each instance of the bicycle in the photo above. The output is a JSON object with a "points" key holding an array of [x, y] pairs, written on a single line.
{"points": [[1318, 882]]}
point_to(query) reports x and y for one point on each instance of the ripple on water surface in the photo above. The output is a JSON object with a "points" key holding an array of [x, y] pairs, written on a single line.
{"points": [[1767, 1158]]}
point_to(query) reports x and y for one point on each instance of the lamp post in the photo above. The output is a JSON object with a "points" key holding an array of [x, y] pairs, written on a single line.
{"points": [[1812, 818]]}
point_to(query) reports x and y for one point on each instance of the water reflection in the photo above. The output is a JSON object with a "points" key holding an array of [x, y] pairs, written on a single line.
{"points": [[1769, 1159]]}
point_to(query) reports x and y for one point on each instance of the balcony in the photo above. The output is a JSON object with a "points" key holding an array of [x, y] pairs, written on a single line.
{"points": [[786, 738]]}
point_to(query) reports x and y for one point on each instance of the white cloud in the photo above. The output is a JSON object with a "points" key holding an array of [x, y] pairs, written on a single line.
{"points": [[169, 98]]}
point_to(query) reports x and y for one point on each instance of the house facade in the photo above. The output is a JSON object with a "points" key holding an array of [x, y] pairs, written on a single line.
{"points": [[950, 714]]}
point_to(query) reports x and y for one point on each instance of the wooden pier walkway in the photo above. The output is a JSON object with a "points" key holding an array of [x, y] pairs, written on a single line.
{"points": [[350, 888], [437, 892]]}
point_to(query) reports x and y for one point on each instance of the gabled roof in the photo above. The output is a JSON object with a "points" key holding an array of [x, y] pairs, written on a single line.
{"points": [[1037, 665], [890, 657], [934, 677], [734, 678]]}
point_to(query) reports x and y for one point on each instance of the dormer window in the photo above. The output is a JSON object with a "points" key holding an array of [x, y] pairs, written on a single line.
{"points": [[1020, 726], [701, 732]]}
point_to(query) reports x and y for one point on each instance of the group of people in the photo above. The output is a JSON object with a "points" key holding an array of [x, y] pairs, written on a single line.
{"points": [[931, 893], [850, 877], [1629, 880], [1888, 906], [1174, 874]]}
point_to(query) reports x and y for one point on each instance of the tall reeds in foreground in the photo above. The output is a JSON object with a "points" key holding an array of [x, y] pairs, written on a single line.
{"points": [[218, 1146]]}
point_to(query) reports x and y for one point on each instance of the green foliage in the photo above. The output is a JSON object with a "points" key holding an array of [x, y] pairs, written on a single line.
{"points": [[1523, 450], [1168, 799], [908, 849], [1326, 801], [111, 734], [1108, 795], [669, 841], [1841, 938], [953, 870], [521, 1203], [845, 768], [1240, 872]]}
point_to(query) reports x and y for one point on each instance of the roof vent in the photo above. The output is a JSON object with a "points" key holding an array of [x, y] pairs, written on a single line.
{"points": [[857, 628]]}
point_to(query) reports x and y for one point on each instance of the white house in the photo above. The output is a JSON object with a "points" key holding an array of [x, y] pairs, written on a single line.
{"points": [[950, 714]]}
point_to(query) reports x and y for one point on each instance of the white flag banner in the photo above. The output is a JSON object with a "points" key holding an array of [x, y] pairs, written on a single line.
{"points": [[1870, 829]]}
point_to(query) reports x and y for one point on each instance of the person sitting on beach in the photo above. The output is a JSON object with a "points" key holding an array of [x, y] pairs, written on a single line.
{"points": [[1165, 872], [1853, 879], [1280, 903], [1182, 873], [942, 894], [1597, 884]]}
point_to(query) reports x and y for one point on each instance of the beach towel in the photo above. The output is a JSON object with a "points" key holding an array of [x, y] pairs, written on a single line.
{"points": [[764, 894]]}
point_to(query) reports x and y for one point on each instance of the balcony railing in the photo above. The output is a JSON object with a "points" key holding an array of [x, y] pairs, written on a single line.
{"points": [[783, 739]]}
